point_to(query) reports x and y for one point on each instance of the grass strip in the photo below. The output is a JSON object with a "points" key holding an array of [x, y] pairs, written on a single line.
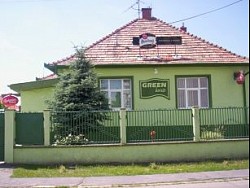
{"points": [[131, 169]]}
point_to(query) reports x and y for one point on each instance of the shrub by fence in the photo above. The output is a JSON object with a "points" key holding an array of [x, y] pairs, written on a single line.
{"points": [[81, 127]]}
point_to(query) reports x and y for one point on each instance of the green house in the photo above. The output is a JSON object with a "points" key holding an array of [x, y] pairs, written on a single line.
{"points": [[149, 64]]}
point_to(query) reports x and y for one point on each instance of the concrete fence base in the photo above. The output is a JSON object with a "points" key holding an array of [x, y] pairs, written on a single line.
{"points": [[133, 153], [195, 150]]}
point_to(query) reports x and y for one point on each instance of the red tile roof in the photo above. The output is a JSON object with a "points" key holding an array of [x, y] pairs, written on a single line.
{"points": [[51, 76], [117, 48]]}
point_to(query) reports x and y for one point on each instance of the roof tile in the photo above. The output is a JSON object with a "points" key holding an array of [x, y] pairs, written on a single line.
{"points": [[117, 47]]}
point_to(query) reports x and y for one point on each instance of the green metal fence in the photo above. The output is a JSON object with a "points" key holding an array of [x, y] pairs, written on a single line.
{"points": [[1, 136], [103, 127], [224, 123], [159, 125], [29, 128], [84, 127]]}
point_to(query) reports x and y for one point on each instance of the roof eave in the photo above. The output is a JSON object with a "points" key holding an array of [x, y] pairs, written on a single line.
{"points": [[174, 64], [51, 67], [33, 85]]}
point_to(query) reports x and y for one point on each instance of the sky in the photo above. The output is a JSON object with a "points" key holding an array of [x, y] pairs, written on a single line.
{"points": [[34, 32]]}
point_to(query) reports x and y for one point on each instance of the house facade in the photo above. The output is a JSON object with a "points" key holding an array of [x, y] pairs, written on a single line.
{"points": [[149, 64]]}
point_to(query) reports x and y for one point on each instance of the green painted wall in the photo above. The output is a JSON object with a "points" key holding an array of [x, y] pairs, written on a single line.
{"points": [[153, 152], [224, 90], [34, 100]]}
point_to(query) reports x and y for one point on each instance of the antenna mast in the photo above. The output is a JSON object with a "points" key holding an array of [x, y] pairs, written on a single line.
{"points": [[139, 8], [138, 2]]}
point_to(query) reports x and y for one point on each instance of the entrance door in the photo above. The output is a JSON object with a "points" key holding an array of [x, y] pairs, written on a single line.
{"points": [[1, 136]]}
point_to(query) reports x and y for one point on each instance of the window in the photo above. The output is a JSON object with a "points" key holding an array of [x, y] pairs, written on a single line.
{"points": [[192, 91], [118, 92]]}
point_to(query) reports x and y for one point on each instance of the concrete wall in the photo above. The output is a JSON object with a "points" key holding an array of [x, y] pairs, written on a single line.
{"points": [[133, 153]]}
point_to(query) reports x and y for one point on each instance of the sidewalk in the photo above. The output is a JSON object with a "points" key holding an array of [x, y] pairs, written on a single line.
{"points": [[119, 181]]}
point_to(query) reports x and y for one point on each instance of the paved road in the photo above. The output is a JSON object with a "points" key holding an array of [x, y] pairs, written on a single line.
{"points": [[229, 179], [203, 184]]}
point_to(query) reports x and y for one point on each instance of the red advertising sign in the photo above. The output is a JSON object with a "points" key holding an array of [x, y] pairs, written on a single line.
{"points": [[9, 100], [147, 40]]}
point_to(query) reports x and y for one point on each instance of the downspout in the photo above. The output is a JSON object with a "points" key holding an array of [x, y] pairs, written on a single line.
{"points": [[245, 100], [244, 92]]}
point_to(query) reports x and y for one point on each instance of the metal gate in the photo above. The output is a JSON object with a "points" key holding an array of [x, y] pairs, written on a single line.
{"points": [[1, 136], [29, 128]]}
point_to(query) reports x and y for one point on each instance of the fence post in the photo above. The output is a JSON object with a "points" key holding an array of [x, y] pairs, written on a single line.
{"points": [[46, 125], [196, 123], [9, 136], [123, 125]]}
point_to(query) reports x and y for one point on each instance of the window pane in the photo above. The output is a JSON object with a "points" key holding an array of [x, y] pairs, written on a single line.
{"points": [[181, 83], [115, 84], [192, 98], [181, 99], [126, 84], [204, 98], [104, 84], [204, 82], [192, 82], [118, 92], [192, 91], [127, 99], [116, 99]]}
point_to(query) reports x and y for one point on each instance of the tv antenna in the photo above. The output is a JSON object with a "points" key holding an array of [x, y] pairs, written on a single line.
{"points": [[138, 3]]}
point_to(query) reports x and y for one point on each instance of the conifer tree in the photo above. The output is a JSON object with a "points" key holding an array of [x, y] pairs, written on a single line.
{"points": [[1, 105], [77, 89], [77, 92]]}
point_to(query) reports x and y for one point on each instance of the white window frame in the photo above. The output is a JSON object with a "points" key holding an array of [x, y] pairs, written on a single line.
{"points": [[123, 91], [198, 89]]}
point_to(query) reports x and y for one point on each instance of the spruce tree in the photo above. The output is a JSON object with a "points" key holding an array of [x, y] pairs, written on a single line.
{"points": [[78, 94], [1, 105], [77, 89]]}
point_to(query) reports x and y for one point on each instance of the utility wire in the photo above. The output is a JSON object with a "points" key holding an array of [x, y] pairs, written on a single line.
{"points": [[198, 15], [132, 7], [25, 1]]}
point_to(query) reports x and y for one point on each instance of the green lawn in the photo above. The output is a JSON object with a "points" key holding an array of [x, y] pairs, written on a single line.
{"points": [[132, 169]]}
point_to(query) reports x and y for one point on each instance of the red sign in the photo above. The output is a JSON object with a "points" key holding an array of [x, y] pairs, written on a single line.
{"points": [[147, 40], [10, 100]]}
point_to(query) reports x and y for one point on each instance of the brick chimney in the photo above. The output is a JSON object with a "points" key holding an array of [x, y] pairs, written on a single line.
{"points": [[146, 13]]}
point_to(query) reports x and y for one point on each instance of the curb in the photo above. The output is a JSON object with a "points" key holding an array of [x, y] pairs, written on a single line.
{"points": [[165, 183]]}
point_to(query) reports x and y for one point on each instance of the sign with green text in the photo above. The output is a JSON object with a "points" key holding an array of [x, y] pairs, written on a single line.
{"points": [[153, 88]]}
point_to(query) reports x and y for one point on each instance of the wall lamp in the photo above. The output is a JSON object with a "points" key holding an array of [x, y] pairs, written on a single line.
{"points": [[239, 76]]}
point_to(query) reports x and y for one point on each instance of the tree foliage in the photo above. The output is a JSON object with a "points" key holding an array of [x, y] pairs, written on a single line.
{"points": [[1, 105], [77, 89], [77, 101]]}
